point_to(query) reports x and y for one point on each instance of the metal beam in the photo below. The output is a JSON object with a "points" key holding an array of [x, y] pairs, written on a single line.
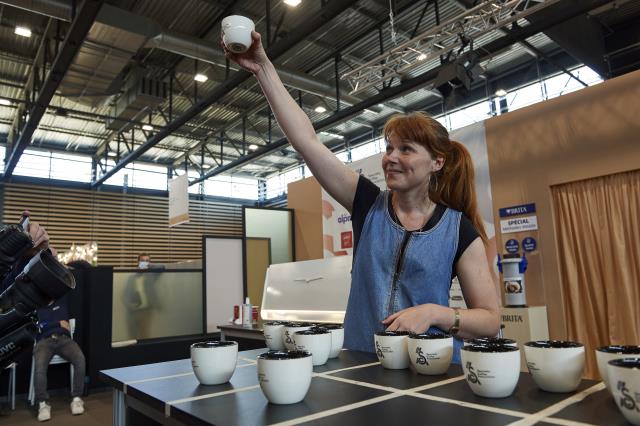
{"points": [[332, 10], [564, 11], [77, 33]]}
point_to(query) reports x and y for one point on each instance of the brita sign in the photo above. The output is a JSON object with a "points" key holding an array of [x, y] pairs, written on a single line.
{"points": [[519, 224]]}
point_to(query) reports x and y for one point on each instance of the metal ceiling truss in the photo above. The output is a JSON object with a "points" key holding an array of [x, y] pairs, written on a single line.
{"points": [[454, 35], [329, 11], [44, 92], [564, 12]]}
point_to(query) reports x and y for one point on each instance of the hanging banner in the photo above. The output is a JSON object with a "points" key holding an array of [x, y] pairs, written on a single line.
{"points": [[178, 200]]}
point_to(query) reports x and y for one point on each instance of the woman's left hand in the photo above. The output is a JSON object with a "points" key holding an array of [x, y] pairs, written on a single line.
{"points": [[416, 319]]}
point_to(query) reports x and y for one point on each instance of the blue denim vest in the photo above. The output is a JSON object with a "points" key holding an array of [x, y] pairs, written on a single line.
{"points": [[424, 275]]}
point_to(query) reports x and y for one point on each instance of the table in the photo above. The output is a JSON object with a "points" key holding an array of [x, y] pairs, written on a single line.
{"points": [[351, 389]]}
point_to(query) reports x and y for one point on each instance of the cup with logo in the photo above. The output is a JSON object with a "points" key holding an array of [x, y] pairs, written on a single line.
{"points": [[624, 379], [289, 329], [214, 362], [391, 349], [285, 376], [316, 340], [491, 371], [604, 354], [555, 365], [273, 331], [430, 353]]}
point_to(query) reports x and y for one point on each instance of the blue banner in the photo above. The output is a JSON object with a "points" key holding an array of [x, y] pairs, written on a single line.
{"points": [[517, 210]]}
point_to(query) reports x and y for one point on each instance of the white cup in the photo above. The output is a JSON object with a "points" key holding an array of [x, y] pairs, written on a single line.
{"points": [[605, 354], [430, 353], [624, 376], [285, 376], [214, 362], [236, 33], [273, 335], [337, 338], [491, 371], [491, 341], [315, 340], [289, 329], [391, 348], [555, 366]]}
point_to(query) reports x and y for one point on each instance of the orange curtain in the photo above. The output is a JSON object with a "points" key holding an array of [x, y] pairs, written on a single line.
{"points": [[598, 230]]}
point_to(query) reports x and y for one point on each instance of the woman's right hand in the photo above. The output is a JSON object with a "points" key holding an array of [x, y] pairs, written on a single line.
{"points": [[253, 59]]}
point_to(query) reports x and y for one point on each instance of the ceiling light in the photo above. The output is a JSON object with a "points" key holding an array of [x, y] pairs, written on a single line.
{"points": [[422, 57], [333, 135], [112, 154], [5, 102], [23, 31], [320, 109], [147, 127], [501, 92], [253, 147], [292, 3], [201, 78]]}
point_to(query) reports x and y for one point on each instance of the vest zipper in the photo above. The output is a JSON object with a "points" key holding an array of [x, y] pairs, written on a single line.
{"points": [[396, 272]]}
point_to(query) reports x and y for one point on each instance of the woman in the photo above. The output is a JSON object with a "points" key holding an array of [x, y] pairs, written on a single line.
{"points": [[410, 240]]}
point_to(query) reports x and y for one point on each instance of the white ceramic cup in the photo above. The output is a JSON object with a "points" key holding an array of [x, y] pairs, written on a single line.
{"points": [[430, 353], [337, 338], [491, 341], [285, 376], [273, 335], [391, 348], [491, 371], [315, 340], [624, 377], [289, 329], [605, 354], [236, 33], [214, 362], [555, 366]]}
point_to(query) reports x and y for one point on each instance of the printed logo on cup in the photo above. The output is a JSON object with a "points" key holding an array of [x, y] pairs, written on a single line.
{"points": [[288, 337], [421, 359], [379, 351], [627, 401], [472, 377]]}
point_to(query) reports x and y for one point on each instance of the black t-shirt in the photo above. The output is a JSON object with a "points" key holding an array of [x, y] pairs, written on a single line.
{"points": [[366, 194]]}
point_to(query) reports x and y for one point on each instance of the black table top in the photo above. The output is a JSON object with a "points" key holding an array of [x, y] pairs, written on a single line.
{"points": [[355, 389]]}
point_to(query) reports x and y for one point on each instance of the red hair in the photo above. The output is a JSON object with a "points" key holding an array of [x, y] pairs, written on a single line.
{"points": [[454, 184]]}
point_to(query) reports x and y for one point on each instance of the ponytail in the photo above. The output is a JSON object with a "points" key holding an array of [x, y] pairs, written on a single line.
{"points": [[454, 186]]}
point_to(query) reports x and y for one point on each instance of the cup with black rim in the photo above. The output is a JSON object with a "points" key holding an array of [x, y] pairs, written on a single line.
{"points": [[337, 338], [491, 341], [604, 354], [430, 353], [391, 349], [214, 361], [285, 376], [491, 371], [273, 331], [316, 340], [555, 365], [289, 329], [624, 376]]}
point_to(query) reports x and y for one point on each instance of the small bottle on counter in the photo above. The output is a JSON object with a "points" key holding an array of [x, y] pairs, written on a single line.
{"points": [[247, 313]]}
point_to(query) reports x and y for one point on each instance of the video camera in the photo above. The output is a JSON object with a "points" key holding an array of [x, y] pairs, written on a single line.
{"points": [[42, 281]]}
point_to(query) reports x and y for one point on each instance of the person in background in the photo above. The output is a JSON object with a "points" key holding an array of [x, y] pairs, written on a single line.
{"points": [[409, 240], [144, 260], [54, 338]]}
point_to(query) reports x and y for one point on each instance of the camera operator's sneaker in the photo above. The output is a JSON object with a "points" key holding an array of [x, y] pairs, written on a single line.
{"points": [[77, 406], [44, 411]]}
